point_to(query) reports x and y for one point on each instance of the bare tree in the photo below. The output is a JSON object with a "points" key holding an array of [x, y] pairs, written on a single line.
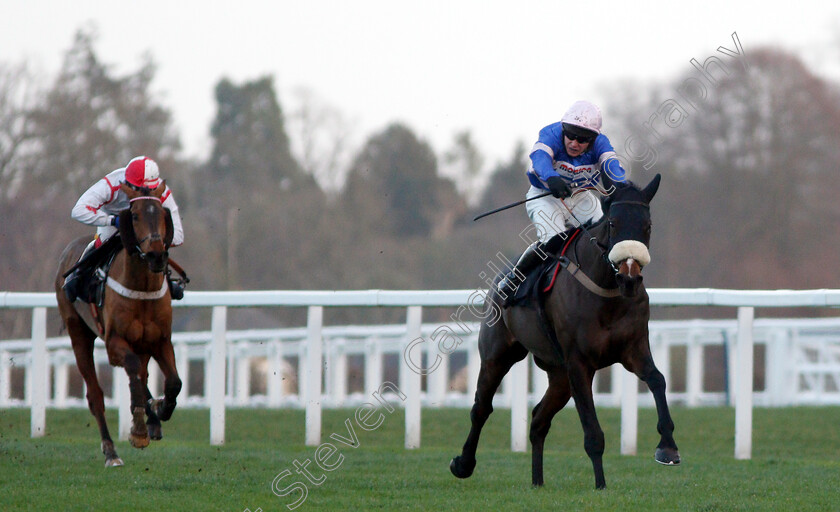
{"points": [[18, 94], [321, 139], [463, 163], [748, 163]]}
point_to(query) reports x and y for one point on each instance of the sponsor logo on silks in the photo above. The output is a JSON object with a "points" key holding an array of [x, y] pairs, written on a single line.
{"points": [[569, 169]]}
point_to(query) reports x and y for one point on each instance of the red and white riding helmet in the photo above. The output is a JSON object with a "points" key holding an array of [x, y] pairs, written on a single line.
{"points": [[142, 172], [584, 114]]}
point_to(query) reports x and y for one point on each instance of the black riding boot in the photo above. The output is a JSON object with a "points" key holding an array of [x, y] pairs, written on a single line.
{"points": [[71, 286], [73, 281], [529, 260], [176, 288]]}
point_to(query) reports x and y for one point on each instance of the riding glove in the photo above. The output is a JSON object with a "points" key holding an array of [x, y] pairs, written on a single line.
{"points": [[558, 187]]}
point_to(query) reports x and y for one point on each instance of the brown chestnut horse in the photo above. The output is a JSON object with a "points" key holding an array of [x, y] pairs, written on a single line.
{"points": [[135, 319], [587, 327]]}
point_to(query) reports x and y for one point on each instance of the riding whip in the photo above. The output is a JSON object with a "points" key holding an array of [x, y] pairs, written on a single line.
{"points": [[497, 210]]}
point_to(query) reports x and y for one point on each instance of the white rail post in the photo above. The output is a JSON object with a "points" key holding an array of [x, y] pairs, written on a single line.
{"points": [[122, 400], [243, 373], [5, 378], [473, 369], [314, 374], [629, 410], [437, 381], [540, 380], [183, 357], [373, 364], [338, 371], [154, 377], [694, 371], [274, 379], [744, 384], [216, 376], [519, 406], [411, 380], [39, 381], [61, 376]]}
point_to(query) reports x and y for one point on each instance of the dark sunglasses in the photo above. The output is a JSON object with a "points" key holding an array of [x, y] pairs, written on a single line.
{"points": [[583, 139]]}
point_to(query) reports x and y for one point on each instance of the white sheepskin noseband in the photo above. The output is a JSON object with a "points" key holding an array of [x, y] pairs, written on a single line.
{"points": [[630, 249]]}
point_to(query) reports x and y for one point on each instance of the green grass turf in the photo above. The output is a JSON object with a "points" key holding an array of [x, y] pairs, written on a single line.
{"points": [[795, 464]]}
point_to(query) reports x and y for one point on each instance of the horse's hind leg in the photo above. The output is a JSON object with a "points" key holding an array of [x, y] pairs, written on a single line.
{"points": [[489, 377], [580, 378], [82, 340], [556, 397], [666, 452]]}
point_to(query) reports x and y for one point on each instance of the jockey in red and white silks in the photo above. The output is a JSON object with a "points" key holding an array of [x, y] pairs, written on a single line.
{"points": [[102, 202]]}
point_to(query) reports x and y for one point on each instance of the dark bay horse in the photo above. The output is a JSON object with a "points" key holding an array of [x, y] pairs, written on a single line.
{"points": [[592, 329], [135, 319]]}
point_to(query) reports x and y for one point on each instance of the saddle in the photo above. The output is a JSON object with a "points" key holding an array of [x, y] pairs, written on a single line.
{"points": [[92, 270], [540, 281]]}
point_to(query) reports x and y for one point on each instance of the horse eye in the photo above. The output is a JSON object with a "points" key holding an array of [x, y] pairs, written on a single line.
{"points": [[134, 217]]}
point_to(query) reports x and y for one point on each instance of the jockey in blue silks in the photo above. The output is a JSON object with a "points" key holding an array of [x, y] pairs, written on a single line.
{"points": [[567, 160]]}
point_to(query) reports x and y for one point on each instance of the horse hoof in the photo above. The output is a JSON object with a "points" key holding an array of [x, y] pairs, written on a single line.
{"points": [[114, 463], [155, 432], [460, 468], [667, 456], [139, 441]]}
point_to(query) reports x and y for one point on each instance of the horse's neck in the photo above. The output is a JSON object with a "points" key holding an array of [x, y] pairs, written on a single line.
{"points": [[133, 273], [592, 259]]}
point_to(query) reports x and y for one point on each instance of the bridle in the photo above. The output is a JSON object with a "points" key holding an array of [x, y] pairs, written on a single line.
{"points": [[152, 237], [593, 239]]}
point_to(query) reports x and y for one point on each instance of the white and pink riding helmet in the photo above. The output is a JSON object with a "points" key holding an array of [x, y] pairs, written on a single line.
{"points": [[142, 172], [585, 116]]}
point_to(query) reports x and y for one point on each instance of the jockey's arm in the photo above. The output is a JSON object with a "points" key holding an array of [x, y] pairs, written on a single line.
{"points": [[609, 160], [169, 202], [88, 209], [542, 154]]}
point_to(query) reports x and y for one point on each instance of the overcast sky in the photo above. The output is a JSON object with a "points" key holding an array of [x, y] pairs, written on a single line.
{"points": [[501, 69]]}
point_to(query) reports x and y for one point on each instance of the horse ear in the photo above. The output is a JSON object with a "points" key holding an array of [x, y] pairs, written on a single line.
{"points": [[161, 188], [170, 229], [609, 184], [129, 239], [651, 188]]}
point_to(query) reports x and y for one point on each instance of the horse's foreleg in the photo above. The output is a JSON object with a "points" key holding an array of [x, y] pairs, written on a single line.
{"points": [[152, 420], [83, 349], [171, 383], [489, 377], [556, 397], [120, 354], [580, 378], [666, 452]]}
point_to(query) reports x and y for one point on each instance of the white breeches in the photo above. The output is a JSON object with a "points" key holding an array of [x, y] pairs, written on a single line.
{"points": [[550, 217]]}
